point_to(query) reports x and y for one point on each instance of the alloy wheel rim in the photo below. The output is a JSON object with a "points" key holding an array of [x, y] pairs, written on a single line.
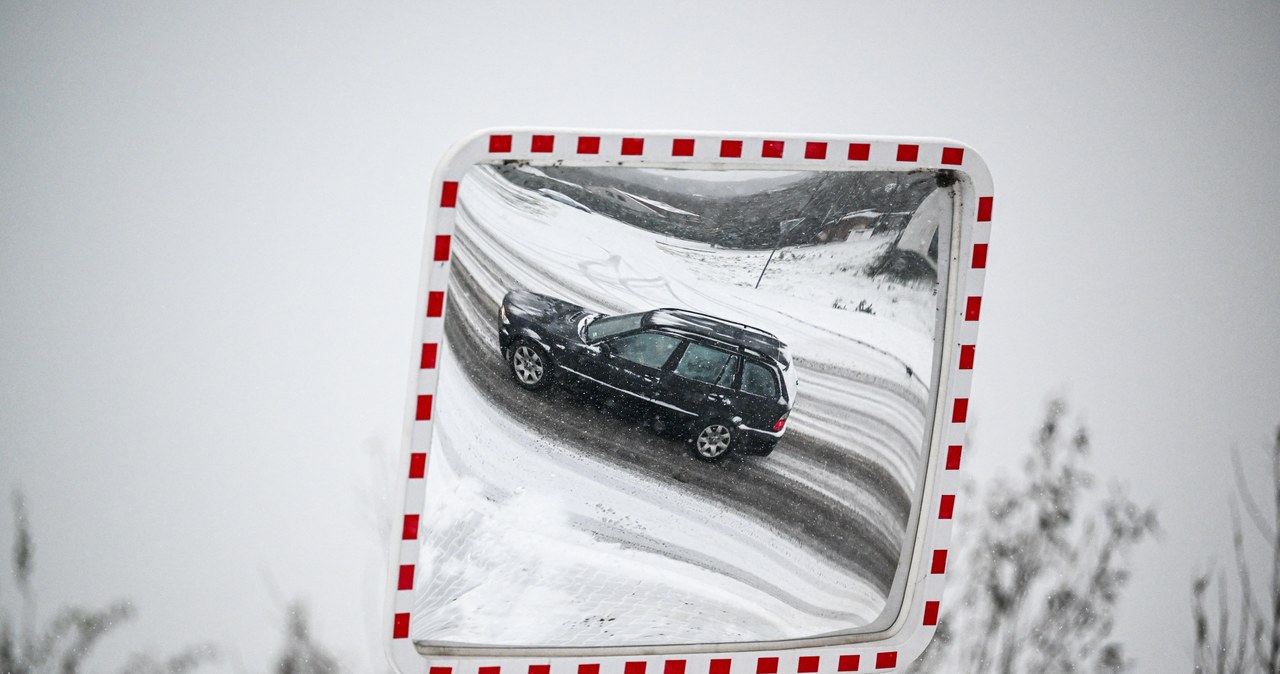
{"points": [[528, 365], [713, 441]]}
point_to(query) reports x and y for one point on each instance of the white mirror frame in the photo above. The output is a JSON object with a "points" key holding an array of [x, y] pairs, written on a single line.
{"points": [[882, 651]]}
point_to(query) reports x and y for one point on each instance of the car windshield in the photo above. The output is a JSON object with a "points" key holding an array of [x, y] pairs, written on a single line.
{"points": [[609, 326]]}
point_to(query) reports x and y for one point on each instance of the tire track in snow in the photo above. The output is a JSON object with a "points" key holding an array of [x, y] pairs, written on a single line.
{"points": [[815, 520]]}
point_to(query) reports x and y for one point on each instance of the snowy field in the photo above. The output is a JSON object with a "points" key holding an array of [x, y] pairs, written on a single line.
{"points": [[551, 522]]}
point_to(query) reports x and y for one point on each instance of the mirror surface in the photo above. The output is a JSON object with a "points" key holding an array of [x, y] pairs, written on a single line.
{"points": [[680, 406]]}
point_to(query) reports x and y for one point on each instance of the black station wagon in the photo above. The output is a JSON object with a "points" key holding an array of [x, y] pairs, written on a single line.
{"points": [[729, 386]]}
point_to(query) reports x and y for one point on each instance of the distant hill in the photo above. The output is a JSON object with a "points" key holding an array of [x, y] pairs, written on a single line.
{"points": [[741, 214]]}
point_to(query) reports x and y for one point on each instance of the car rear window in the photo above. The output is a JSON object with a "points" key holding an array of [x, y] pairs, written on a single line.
{"points": [[708, 365], [758, 380], [651, 349]]}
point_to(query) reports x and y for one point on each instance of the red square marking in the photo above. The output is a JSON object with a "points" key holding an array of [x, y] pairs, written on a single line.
{"points": [[886, 660], [417, 465], [848, 663], [449, 194], [953, 155], [588, 144], [808, 664], [772, 149], [410, 530], [721, 665], [931, 613], [673, 667], [632, 146], [984, 208], [815, 150], [491, 669], [859, 151], [939, 562], [979, 256], [908, 152], [435, 303], [589, 668], [539, 669], [946, 506], [953, 457], [442, 248], [539, 144], [682, 147], [401, 629], [634, 667], [972, 308], [424, 408], [406, 577], [429, 356], [960, 411], [966, 357], [730, 148], [440, 670], [766, 666], [500, 143]]}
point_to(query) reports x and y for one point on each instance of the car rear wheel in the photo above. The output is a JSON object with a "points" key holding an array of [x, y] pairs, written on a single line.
{"points": [[530, 366], [712, 439]]}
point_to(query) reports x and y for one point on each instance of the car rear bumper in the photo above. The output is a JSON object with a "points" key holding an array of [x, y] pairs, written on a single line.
{"points": [[760, 432]]}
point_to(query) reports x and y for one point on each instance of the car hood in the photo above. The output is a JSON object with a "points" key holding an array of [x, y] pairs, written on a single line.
{"points": [[553, 314]]}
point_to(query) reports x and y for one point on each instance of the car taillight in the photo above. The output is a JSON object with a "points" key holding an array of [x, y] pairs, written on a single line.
{"points": [[780, 423]]}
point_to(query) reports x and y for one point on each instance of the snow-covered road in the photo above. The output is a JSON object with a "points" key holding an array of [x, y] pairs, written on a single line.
{"points": [[552, 522]]}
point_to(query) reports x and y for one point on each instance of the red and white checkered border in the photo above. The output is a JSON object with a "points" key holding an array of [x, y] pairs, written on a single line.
{"points": [[886, 651]]}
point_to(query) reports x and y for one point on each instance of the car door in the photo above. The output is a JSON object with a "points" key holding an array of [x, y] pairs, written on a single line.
{"points": [[700, 382], [633, 364]]}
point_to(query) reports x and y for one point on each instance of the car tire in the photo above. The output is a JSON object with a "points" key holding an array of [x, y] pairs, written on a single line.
{"points": [[530, 365], [712, 439]]}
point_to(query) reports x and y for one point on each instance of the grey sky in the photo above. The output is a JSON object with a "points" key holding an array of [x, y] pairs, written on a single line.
{"points": [[211, 220]]}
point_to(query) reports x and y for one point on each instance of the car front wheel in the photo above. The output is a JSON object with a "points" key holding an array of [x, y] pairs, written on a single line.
{"points": [[530, 366], [712, 440]]}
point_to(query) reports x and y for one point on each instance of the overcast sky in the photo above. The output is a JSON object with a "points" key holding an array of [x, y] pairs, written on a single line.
{"points": [[211, 219]]}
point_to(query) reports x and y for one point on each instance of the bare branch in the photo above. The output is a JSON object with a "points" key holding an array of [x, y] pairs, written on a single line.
{"points": [[23, 546], [91, 626], [1201, 618], [1274, 665], [23, 563], [1248, 616], [1223, 623], [1251, 506]]}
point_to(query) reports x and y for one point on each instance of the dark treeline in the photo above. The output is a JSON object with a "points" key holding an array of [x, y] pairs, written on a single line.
{"points": [[744, 218]]}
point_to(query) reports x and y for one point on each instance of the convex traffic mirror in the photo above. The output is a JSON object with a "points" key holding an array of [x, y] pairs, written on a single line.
{"points": [[686, 398]]}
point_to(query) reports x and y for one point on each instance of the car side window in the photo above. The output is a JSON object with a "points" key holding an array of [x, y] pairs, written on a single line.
{"points": [[705, 364], [651, 349], [758, 380]]}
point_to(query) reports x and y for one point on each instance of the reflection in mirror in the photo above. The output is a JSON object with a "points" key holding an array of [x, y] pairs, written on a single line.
{"points": [[681, 406]]}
